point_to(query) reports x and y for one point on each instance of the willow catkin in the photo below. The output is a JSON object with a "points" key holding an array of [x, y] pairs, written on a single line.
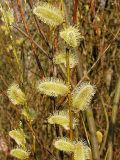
{"points": [[19, 136], [60, 58], [19, 153], [53, 87], [61, 118], [49, 14], [82, 96], [71, 36], [64, 144], [15, 94]]}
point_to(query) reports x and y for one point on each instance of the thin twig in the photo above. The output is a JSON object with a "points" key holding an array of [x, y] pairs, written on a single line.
{"points": [[113, 120], [30, 37]]}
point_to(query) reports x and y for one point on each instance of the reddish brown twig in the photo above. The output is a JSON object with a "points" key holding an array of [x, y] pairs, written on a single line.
{"points": [[30, 37], [75, 11]]}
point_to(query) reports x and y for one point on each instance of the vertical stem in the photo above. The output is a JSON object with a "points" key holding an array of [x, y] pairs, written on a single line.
{"points": [[93, 137], [75, 11], [30, 38], [113, 120], [29, 123], [69, 95]]}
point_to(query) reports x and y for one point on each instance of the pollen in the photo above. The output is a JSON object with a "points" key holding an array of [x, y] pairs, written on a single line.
{"points": [[53, 87], [71, 36], [82, 96], [49, 14], [15, 94]]}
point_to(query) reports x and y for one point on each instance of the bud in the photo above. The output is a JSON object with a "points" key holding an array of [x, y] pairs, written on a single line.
{"points": [[29, 114], [99, 136]]}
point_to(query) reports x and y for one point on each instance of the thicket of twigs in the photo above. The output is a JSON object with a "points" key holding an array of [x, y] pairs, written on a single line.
{"points": [[27, 50]]}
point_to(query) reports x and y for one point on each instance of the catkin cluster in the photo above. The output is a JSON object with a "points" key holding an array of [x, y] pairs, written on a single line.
{"points": [[54, 87]]}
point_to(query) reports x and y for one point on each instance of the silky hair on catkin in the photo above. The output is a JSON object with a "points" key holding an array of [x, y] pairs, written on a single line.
{"points": [[53, 87], [81, 96], [15, 94], [49, 14]]}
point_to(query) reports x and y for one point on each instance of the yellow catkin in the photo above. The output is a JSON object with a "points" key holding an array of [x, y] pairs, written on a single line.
{"points": [[49, 14], [53, 87], [82, 96], [81, 151], [71, 36], [19, 153], [60, 58], [16, 95], [61, 118], [64, 144], [18, 136]]}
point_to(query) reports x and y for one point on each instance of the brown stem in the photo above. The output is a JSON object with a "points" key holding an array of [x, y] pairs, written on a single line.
{"points": [[75, 11], [32, 44], [93, 138], [38, 25], [113, 120], [69, 95]]}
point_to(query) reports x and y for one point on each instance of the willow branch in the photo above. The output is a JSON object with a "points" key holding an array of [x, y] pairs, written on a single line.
{"points": [[93, 138], [113, 120], [30, 38]]}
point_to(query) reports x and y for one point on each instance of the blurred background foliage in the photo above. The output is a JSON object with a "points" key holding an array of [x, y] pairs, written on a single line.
{"points": [[99, 23]]}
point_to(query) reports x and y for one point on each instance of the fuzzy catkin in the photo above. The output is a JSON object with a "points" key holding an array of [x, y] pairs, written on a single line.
{"points": [[18, 136], [82, 96], [71, 36], [53, 87], [19, 153], [15, 94], [49, 14], [64, 144]]}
